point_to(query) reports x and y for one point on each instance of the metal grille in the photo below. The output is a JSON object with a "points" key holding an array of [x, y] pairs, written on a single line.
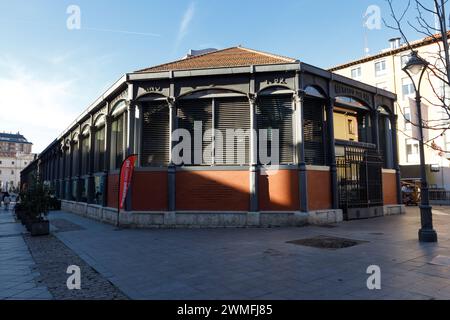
{"points": [[75, 157], [276, 113], [99, 160], [232, 114], [359, 178], [313, 132], [85, 155], [155, 134], [190, 111]]}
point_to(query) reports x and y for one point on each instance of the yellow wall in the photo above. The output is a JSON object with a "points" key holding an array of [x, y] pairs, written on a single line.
{"points": [[342, 130]]}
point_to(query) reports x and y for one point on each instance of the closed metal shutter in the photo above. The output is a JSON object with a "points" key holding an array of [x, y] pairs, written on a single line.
{"points": [[189, 111], [155, 134], [313, 131], [75, 160], [99, 160], [233, 113], [275, 112], [85, 155]]}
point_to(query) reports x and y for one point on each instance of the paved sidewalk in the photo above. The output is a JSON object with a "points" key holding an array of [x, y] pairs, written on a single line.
{"points": [[260, 264], [18, 276]]}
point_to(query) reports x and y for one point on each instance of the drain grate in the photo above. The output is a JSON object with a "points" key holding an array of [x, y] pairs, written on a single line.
{"points": [[327, 242]]}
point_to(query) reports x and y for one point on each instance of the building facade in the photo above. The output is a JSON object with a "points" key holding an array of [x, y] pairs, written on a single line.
{"points": [[384, 70], [15, 155], [319, 178]]}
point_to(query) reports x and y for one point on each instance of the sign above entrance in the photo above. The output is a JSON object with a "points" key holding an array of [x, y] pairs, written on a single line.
{"points": [[343, 90]]}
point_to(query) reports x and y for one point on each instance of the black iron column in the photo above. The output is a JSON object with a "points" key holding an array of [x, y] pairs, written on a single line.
{"points": [[91, 163], [254, 169], [107, 160], [332, 152], [393, 120], [131, 119], [302, 173], [171, 170], [79, 159], [375, 128]]}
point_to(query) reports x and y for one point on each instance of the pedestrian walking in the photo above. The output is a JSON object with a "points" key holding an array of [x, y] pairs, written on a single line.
{"points": [[7, 201]]}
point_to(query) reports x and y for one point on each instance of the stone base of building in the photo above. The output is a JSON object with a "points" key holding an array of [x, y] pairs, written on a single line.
{"points": [[372, 212], [195, 219], [191, 219]]}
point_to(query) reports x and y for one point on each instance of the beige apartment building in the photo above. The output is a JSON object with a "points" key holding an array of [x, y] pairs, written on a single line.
{"points": [[384, 70]]}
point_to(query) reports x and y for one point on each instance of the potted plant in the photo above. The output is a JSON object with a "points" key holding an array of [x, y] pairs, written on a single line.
{"points": [[19, 209], [37, 202]]}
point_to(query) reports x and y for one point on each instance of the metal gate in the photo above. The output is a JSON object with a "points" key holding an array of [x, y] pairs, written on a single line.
{"points": [[359, 178]]}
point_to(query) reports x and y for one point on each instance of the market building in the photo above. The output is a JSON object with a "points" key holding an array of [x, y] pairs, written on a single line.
{"points": [[337, 150]]}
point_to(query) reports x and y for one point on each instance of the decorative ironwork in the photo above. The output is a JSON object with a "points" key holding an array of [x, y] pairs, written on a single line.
{"points": [[359, 177]]}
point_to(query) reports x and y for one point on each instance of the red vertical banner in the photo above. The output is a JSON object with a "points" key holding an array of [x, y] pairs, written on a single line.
{"points": [[126, 174]]}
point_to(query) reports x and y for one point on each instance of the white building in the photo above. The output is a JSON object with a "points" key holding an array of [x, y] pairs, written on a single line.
{"points": [[15, 154], [384, 70]]}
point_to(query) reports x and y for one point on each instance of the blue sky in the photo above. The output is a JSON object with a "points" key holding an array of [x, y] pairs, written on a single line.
{"points": [[49, 74]]}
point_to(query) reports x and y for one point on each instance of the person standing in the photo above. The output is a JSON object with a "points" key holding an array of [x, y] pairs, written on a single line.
{"points": [[7, 201]]}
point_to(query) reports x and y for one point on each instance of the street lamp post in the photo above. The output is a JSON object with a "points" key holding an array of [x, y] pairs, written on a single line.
{"points": [[417, 66]]}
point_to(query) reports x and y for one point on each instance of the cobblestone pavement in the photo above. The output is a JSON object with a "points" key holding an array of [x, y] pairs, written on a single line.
{"points": [[261, 264], [18, 271], [53, 257], [35, 268]]}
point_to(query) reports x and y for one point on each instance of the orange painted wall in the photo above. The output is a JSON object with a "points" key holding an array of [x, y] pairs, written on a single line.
{"points": [[279, 191], [389, 188], [319, 190], [113, 189], [149, 191], [212, 190]]}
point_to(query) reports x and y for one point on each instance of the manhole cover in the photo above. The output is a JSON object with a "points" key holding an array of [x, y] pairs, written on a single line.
{"points": [[326, 242]]}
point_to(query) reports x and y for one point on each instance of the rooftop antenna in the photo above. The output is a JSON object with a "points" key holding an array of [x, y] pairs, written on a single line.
{"points": [[366, 45]]}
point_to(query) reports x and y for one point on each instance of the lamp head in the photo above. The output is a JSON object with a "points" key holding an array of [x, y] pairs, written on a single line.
{"points": [[415, 64]]}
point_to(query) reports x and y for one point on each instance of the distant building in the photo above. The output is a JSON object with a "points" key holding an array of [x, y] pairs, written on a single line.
{"points": [[15, 155]]}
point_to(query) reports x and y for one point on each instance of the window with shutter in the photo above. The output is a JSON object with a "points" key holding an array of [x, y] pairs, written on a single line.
{"points": [[275, 112], [99, 147], [75, 159], [190, 111], [313, 131], [155, 134], [85, 155], [117, 142], [234, 114], [67, 163]]}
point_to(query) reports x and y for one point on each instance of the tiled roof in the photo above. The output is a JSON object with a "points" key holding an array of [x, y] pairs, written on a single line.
{"points": [[230, 57], [12, 137]]}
